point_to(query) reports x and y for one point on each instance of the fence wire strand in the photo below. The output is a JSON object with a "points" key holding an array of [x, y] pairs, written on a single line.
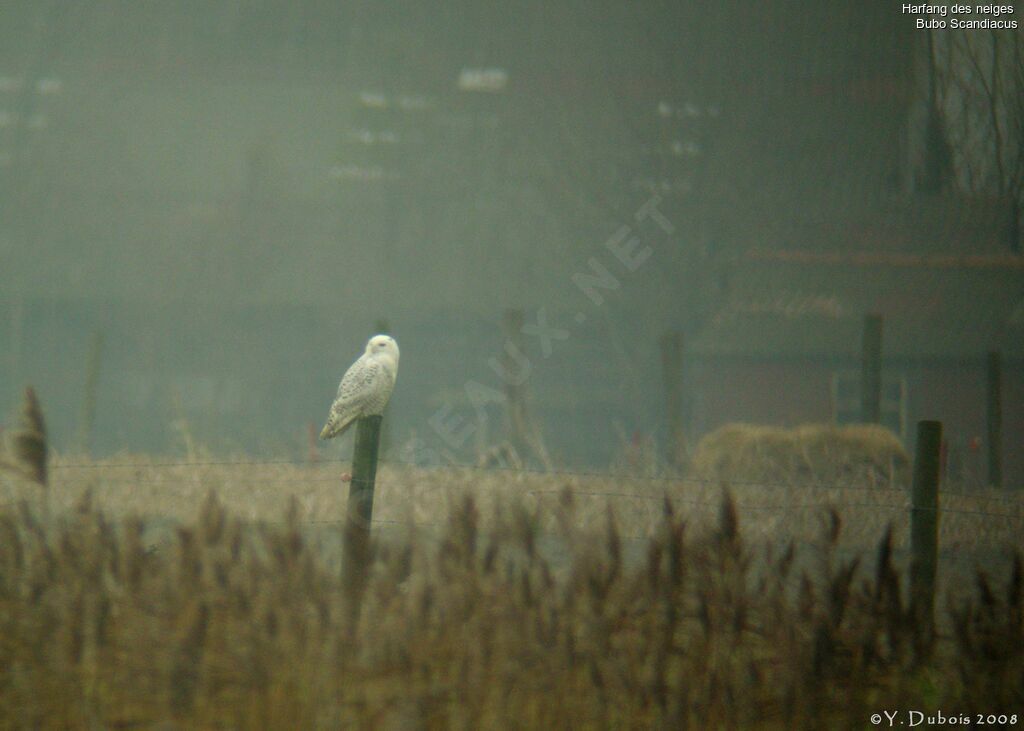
{"points": [[496, 469]]}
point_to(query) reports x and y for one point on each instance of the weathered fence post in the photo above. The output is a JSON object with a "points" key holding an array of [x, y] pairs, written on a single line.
{"points": [[312, 449], [515, 390], [672, 372], [513, 367], [871, 370], [87, 418], [994, 417], [356, 539], [924, 532]]}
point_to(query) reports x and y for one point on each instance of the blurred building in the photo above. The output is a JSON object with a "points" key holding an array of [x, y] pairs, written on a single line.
{"points": [[234, 192], [785, 347]]}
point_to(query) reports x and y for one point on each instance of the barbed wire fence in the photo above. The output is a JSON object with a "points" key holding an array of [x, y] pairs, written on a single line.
{"points": [[976, 529], [59, 468], [782, 496], [315, 472]]}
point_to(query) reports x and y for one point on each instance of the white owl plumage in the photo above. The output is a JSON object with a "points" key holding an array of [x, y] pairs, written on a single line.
{"points": [[366, 386]]}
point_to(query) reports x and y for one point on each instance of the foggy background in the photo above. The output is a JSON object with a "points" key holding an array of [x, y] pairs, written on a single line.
{"points": [[215, 203]]}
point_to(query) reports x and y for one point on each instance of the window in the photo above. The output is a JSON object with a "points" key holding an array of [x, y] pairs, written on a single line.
{"points": [[846, 400]]}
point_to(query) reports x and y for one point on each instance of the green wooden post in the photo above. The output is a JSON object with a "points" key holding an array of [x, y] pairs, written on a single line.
{"points": [[356, 540], [994, 417], [364, 471], [924, 531], [871, 370]]}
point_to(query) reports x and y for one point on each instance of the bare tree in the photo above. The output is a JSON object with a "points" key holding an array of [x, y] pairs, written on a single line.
{"points": [[978, 86]]}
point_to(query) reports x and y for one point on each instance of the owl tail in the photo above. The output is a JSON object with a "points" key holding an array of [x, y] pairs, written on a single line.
{"points": [[336, 427]]}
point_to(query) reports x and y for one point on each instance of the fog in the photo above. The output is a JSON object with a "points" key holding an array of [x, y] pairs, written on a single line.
{"points": [[207, 208]]}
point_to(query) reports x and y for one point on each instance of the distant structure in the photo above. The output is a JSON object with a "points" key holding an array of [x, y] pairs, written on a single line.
{"points": [[365, 387], [800, 151]]}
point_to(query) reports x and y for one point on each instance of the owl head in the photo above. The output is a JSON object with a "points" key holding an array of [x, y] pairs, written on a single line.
{"points": [[384, 345]]}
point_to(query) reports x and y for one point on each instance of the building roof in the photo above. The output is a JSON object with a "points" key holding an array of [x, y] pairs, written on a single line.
{"points": [[779, 304], [832, 220]]}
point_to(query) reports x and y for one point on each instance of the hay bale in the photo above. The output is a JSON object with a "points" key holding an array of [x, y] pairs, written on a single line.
{"points": [[856, 455]]}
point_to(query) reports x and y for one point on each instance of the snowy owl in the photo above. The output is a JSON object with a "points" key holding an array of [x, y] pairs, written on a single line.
{"points": [[365, 387]]}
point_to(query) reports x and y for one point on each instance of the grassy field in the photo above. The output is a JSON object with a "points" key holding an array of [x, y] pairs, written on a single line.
{"points": [[137, 593]]}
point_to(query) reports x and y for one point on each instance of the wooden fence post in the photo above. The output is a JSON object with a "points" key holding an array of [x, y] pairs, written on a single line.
{"points": [[359, 517], [515, 392], [312, 449], [871, 370], [924, 532], [672, 372], [87, 419], [524, 433], [994, 417]]}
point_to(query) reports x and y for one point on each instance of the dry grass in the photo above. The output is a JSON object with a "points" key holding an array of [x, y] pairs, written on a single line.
{"points": [[495, 600]]}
